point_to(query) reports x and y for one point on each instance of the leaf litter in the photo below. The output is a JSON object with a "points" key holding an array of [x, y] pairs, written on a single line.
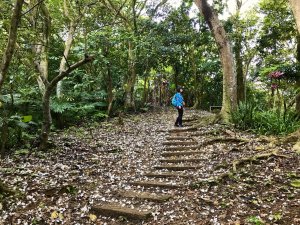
{"points": [[91, 165]]}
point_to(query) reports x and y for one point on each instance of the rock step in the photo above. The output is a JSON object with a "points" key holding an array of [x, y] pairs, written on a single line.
{"points": [[182, 129], [166, 175], [181, 153], [146, 196], [156, 184], [176, 167], [115, 210], [179, 160], [189, 119], [180, 143], [177, 138], [182, 148]]}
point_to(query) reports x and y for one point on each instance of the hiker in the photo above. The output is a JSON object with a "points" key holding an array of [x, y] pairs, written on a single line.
{"points": [[178, 102]]}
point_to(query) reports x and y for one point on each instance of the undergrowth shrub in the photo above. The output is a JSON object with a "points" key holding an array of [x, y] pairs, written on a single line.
{"points": [[266, 122]]}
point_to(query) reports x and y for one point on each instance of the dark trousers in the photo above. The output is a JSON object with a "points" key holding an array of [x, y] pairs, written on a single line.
{"points": [[180, 114]]}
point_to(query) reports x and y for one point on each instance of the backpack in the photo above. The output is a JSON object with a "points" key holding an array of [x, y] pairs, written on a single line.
{"points": [[174, 101]]}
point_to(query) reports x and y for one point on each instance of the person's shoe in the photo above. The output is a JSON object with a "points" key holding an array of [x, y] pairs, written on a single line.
{"points": [[176, 125], [180, 125]]}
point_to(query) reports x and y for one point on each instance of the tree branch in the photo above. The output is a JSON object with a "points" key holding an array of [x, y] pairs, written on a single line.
{"points": [[143, 6], [11, 42], [157, 7], [118, 10], [66, 72]]}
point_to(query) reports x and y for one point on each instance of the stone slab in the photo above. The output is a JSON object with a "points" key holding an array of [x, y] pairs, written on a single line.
{"points": [[165, 175], [182, 148], [182, 143], [179, 160], [177, 138], [156, 184], [146, 196], [166, 154], [183, 129], [176, 167], [115, 210]]}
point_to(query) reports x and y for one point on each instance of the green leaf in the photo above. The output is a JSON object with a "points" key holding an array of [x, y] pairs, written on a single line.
{"points": [[295, 183]]}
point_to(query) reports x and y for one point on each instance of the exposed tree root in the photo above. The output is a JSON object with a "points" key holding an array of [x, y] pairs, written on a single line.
{"points": [[256, 158], [237, 163], [223, 140], [5, 190], [206, 133]]}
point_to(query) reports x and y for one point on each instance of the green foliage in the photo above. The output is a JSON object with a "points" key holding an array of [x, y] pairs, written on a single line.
{"points": [[264, 121], [295, 183], [243, 116], [16, 130], [61, 107], [22, 152], [255, 220]]}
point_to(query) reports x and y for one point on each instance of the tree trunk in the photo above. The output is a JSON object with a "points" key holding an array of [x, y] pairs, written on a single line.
{"points": [[129, 88], [295, 5], [176, 74], [109, 91], [197, 85], [68, 44], [46, 100], [12, 39], [229, 102], [298, 78], [63, 62], [240, 78], [41, 49], [145, 92], [47, 119], [4, 136]]}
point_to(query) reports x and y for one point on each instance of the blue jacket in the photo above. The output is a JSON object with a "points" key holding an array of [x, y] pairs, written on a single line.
{"points": [[179, 99]]}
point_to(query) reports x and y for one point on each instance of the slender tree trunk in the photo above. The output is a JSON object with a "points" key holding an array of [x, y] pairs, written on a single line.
{"points": [[4, 133], [196, 85], [68, 44], [298, 78], [295, 5], [42, 48], [129, 88], [63, 62], [229, 102], [240, 78], [12, 39], [145, 92], [109, 91], [176, 74], [47, 119]]}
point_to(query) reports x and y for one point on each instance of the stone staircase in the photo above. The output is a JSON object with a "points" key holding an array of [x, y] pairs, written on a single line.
{"points": [[180, 156]]}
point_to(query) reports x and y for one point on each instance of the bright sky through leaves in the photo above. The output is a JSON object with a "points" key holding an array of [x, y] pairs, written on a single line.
{"points": [[246, 5]]}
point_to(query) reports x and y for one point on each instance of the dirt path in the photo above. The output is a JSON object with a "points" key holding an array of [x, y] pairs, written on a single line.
{"points": [[147, 172]]}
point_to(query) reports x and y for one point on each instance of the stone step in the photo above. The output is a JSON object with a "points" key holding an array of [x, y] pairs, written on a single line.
{"points": [[182, 148], [166, 175], [189, 119], [182, 129], [115, 210], [180, 143], [146, 196], [176, 167], [181, 153], [177, 138], [179, 160], [156, 184]]}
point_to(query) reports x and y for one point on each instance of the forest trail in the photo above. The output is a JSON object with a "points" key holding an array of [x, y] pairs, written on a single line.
{"points": [[148, 172], [156, 182]]}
